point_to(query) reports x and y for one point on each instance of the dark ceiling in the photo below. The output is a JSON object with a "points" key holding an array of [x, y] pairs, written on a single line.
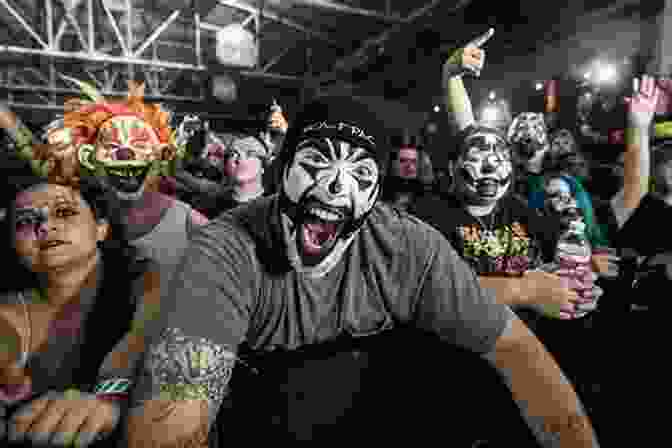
{"points": [[388, 48]]}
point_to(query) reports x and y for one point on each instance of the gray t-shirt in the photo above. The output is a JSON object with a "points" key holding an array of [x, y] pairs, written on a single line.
{"points": [[235, 286]]}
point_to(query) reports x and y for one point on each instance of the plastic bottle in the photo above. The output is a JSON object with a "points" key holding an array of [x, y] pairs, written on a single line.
{"points": [[573, 257], [274, 109]]}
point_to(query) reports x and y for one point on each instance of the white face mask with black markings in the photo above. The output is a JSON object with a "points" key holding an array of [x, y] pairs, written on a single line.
{"points": [[332, 185], [484, 169]]}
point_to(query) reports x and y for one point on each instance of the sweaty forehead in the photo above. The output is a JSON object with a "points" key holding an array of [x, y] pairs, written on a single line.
{"points": [[46, 195]]}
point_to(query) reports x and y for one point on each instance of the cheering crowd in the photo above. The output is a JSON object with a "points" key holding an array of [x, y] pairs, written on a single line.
{"points": [[318, 281]]}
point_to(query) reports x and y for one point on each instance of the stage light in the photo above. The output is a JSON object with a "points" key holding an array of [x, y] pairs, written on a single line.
{"points": [[606, 73], [437, 109], [539, 86], [490, 114]]}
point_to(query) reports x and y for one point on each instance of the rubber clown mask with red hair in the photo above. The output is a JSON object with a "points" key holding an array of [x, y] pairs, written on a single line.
{"points": [[124, 142]]}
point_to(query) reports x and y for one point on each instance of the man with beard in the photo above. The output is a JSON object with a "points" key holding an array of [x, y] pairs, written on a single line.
{"points": [[324, 263], [127, 143]]}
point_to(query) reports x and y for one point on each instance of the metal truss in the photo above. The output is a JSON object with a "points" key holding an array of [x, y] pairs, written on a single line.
{"points": [[107, 66], [132, 50]]}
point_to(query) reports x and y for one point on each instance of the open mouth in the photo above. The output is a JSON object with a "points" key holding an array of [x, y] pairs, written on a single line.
{"points": [[52, 244], [488, 187], [127, 179], [320, 229]]}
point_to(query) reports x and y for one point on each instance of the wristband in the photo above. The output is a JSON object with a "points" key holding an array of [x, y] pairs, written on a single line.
{"points": [[113, 388]]}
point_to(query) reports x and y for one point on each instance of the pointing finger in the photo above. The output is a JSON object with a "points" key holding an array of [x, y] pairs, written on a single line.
{"points": [[482, 39]]}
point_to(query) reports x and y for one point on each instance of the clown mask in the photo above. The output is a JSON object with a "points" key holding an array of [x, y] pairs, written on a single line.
{"points": [[329, 187], [484, 169], [564, 154], [560, 201], [529, 137], [124, 153]]}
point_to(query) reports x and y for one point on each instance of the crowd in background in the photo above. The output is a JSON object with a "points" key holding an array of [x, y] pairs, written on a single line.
{"points": [[529, 206]]}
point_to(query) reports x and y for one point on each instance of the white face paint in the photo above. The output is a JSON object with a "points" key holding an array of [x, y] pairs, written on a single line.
{"points": [[332, 183], [559, 200], [334, 173], [484, 169], [529, 136]]}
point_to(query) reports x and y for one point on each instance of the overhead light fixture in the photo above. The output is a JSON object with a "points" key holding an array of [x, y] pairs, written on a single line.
{"points": [[236, 46], [492, 96], [606, 73], [437, 109], [539, 86], [490, 114]]}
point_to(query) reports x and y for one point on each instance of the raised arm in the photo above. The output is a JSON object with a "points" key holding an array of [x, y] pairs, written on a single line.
{"points": [[636, 159], [469, 59], [23, 139]]}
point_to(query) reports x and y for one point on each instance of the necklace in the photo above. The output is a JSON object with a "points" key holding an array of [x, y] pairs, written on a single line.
{"points": [[25, 349]]}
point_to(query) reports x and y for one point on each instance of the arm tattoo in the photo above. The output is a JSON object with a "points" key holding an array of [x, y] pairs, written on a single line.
{"points": [[189, 368], [185, 380], [559, 431]]}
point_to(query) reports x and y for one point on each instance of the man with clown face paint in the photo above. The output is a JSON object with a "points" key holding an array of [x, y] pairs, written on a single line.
{"points": [[494, 231], [484, 170], [324, 264]]}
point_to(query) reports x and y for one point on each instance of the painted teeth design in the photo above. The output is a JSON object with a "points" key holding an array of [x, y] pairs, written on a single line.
{"points": [[127, 171], [325, 215]]}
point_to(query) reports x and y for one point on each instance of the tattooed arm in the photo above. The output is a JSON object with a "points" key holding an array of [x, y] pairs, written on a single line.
{"points": [[181, 387], [545, 397], [192, 341], [469, 59]]}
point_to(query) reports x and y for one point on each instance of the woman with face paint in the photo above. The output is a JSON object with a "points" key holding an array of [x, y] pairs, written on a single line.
{"points": [[126, 144], [70, 294]]}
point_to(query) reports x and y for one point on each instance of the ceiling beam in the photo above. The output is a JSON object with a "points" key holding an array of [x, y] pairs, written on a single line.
{"points": [[359, 57], [347, 9], [243, 6]]}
